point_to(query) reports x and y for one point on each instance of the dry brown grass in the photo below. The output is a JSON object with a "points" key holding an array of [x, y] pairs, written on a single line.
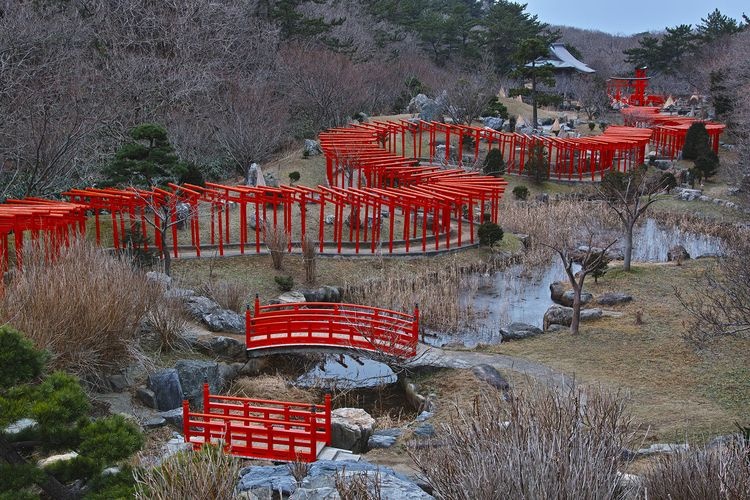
{"points": [[722, 473], [232, 295], [539, 444], [676, 392], [84, 308], [438, 291], [208, 473], [277, 242], [168, 323], [273, 387]]}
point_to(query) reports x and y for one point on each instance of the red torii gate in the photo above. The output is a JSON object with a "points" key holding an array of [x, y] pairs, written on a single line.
{"points": [[51, 222], [669, 130]]}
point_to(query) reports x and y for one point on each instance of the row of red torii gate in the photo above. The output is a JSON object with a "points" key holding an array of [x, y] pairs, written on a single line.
{"points": [[392, 188]]}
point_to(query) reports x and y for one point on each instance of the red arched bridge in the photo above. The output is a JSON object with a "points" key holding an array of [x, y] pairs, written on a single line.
{"points": [[257, 428], [279, 328]]}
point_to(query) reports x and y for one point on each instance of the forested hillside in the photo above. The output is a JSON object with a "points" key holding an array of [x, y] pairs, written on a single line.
{"points": [[234, 81]]}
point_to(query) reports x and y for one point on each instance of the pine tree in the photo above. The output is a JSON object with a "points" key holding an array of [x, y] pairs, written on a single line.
{"points": [[57, 408], [148, 160], [696, 141]]}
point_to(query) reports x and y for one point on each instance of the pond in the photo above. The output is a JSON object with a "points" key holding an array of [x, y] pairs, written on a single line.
{"points": [[522, 295], [347, 372]]}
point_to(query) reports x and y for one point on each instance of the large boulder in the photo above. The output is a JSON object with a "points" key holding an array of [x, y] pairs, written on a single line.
{"points": [[431, 111], [613, 298], [561, 315], [566, 299], [312, 148], [489, 374], [384, 438], [262, 480], [351, 428], [417, 103], [677, 253], [493, 122], [193, 373], [556, 291], [214, 316], [166, 388], [222, 347], [320, 482], [322, 294], [518, 331], [686, 194], [291, 297]]}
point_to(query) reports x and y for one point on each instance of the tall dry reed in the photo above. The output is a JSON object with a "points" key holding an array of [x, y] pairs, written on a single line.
{"points": [[540, 444], [277, 242], [440, 293], [84, 308], [722, 473], [309, 258], [208, 473]]}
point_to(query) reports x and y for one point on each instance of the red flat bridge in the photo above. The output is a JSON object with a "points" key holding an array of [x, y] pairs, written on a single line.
{"points": [[289, 327], [256, 428]]}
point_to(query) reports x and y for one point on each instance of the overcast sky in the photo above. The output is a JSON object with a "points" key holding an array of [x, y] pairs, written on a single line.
{"points": [[630, 16]]}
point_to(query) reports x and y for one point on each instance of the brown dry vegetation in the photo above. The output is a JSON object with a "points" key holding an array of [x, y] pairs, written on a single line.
{"points": [[84, 308], [676, 393]]}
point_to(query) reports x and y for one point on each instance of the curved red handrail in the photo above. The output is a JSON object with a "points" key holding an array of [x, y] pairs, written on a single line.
{"points": [[333, 325]]}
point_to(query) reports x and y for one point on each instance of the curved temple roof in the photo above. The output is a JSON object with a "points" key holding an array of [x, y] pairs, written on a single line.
{"points": [[560, 58]]}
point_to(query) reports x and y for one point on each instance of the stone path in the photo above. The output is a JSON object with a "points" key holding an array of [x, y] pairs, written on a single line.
{"points": [[435, 356]]}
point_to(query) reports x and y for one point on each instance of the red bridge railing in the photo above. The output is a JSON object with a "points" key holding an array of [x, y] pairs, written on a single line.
{"points": [[256, 428], [336, 325]]}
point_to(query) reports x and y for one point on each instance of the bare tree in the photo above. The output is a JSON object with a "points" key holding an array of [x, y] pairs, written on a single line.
{"points": [[719, 303], [629, 195], [168, 208], [252, 124], [469, 96], [591, 93]]}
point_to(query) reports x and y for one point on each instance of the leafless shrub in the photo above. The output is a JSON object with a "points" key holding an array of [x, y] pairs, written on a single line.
{"points": [[167, 321], [540, 444], [309, 255], [277, 242], [299, 470], [84, 308], [208, 473], [545, 221], [705, 474], [228, 294], [358, 486], [719, 302]]}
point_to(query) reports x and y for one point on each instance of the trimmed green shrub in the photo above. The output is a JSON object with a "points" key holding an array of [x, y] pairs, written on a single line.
{"points": [[521, 192], [696, 142], [494, 164], [489, 233], [285, 283]]}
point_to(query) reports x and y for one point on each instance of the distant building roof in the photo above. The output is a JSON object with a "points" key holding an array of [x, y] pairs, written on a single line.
{"points": [[560, 58]]}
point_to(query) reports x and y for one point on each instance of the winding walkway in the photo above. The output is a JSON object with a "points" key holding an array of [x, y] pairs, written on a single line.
{"points": [[445, 358]]}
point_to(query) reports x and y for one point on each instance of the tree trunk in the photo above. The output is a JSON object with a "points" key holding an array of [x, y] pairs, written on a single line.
{"points": [[48, 483], [164, 245], [628, 250], [533, 99], [576, 321]]}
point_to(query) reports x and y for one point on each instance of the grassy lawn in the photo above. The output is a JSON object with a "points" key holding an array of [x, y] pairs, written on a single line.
{"points": [[674, 392]]}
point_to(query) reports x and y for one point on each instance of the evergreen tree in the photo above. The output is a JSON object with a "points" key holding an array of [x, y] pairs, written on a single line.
{"points": [[716, 25], [696, 141], [536, 162], [666, 54], [707, 164], [148, 160], [57, 409], [527, 53], [494, 164]]}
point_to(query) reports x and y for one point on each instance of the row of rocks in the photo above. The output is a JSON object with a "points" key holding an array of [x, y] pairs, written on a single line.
{"points": [[320, 481], [688, 194]]}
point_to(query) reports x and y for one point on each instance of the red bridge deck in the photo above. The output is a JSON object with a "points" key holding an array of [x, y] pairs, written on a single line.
{"points": [[255, 428], [332, 325]]}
